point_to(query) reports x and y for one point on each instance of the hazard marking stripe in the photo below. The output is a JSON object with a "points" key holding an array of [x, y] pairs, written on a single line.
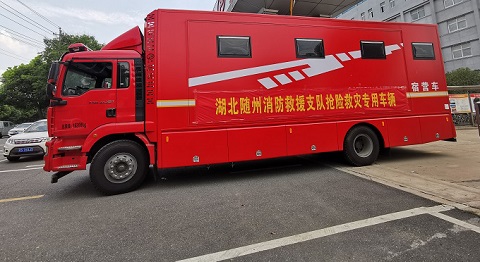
{"points": [[290, 240], [427, 94], [176, 103]]}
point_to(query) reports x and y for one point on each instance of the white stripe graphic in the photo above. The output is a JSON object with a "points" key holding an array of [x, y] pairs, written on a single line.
{"points": [[175, 103], [267, 82], [355, 54], [283, 79], [285, 241], [343, 57], [427, 94], [316, 67], [390, 48], [296, 75], [201, 80]]}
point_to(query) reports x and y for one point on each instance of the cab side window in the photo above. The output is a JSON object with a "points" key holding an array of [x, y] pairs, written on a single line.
{"points": [[83, 77], [123, 74]]}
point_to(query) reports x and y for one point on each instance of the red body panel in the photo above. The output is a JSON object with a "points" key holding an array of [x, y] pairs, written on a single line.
{"points": [[203, 109]]}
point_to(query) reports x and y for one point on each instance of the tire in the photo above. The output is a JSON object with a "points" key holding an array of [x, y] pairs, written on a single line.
{"points": [[13, 158], [119, 167], [361, 146]]}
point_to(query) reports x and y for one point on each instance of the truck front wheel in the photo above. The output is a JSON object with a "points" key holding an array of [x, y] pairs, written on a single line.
{"points": [[119, 167], [361, 146]]}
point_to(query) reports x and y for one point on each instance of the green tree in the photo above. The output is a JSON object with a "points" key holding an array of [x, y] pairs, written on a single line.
{"points": [[56, 47], [463, 77], [22, 89]]}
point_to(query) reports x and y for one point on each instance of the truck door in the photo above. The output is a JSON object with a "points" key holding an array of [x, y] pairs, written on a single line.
{"points": [[89, 98]]}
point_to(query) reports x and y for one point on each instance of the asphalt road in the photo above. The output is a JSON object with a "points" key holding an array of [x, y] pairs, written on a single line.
{"points": [[290, 209]]}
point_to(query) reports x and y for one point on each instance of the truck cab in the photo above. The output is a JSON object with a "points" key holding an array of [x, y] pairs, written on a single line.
{"points": [[96, 97]]}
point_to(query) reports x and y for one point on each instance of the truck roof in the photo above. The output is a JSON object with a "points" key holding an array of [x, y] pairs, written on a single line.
{"points": [[102, 54]]}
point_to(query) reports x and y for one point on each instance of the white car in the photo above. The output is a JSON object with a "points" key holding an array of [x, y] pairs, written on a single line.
{"points": [[29, 143], [19, 129]]}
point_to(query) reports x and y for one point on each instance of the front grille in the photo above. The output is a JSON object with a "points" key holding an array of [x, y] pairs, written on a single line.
{"points": [[27, 141], [35, 150]]}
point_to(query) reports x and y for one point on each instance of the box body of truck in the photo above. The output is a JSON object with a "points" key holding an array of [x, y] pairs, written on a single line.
{"points": [[201, 88]]}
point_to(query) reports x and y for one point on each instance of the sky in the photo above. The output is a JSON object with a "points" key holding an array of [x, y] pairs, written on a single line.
{"points": [[25, 23]]}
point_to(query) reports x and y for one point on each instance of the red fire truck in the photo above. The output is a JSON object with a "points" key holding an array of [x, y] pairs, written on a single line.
{"points": [[201, 88]]}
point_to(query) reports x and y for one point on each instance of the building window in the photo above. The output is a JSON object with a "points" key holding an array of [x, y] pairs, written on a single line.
{"points": [[372, 50], [362, 15], [423, 51], [234, 46], [461, 50], [382, 7], [309, 48], [370, 13], [457, 24], [449, 3], [418, 13], [392, 3]]}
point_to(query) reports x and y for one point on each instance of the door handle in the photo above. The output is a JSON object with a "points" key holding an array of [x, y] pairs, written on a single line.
{"points": [[111, 112]]}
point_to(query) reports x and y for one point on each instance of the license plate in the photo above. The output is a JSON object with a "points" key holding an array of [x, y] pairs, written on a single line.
{"points": [[25, 149]]}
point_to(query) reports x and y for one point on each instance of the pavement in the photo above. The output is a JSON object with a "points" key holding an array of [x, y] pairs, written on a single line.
{"points": [[445, 172]]}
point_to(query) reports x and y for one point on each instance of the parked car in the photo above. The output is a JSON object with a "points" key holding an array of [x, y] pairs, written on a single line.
{"points": [[29, 143], [19, 129], [5, 126]]}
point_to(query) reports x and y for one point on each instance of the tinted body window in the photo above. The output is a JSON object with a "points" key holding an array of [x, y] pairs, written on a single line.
{"points": [[372, 50], [309, 48], [423, 51], [234, 46]]}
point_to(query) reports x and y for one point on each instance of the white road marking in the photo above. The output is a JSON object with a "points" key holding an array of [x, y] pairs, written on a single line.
{"points": [[285, 241], [17, 170], [3, 160], [457, 222], [35, 165]]}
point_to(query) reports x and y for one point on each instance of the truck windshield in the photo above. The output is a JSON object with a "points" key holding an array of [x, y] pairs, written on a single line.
{"points": [[83, 77]]}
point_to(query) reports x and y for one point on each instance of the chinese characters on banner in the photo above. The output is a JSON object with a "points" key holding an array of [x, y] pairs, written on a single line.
{"points": [[259, 105]]}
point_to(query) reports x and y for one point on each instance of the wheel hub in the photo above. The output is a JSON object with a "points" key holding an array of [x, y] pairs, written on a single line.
{"points": [[120, 168], [363, 145]]}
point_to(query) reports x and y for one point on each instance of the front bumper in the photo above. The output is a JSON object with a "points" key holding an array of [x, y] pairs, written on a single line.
{"points": [[21, 150], [63, 161]]}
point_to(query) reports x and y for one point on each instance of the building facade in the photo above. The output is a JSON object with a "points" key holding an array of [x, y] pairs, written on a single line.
{"points": [[458, 24]]}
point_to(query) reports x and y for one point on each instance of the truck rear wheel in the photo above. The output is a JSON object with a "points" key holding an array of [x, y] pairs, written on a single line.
{"points": [[361, 146], [119, 167]]}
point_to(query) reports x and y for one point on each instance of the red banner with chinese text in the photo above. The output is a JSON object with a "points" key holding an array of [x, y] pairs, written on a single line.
{"points": [[227, 106]]}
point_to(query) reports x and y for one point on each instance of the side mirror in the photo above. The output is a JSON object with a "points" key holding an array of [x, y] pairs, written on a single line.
{"points": [[53, 73], [51, 88]]}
